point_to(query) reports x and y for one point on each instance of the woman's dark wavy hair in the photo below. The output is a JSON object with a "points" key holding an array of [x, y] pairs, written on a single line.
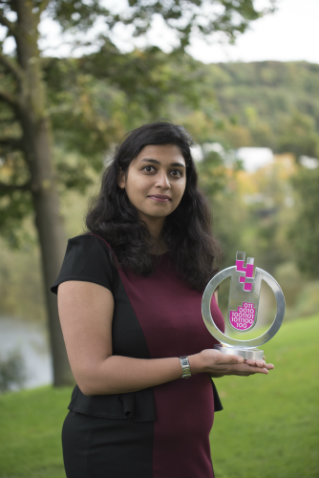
{"points": [[187, 231]]}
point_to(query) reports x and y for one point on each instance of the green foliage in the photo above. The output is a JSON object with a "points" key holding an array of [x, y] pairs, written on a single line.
{"points": [[20, 278], [93, 100], [291, 279], [220, 186], [184, 18], [267, 104], [96, 99], [307, 300], [302, 297], [304, 230], [14, 207], [271, 218], [72, 14], [12, 373], [298, 134]]}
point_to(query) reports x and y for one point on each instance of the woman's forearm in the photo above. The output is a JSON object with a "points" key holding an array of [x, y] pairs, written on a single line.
{"points": [[119, 374]]}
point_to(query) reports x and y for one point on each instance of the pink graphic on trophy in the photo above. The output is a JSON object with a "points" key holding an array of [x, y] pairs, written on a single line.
{"points": [[247, 278], [244, 317]]}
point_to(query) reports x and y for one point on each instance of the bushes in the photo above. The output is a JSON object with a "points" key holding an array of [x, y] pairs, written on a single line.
{"points": [[12, 372]]}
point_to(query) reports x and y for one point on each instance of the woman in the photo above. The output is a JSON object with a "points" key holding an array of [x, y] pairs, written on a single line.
{"points": [[129, 298]]}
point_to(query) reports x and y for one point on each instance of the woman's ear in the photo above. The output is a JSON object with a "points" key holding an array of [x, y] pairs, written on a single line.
{"points": [[121, 179]]}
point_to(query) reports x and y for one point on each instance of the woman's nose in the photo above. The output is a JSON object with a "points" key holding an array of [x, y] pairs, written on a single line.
{"points": [[163, 180]]}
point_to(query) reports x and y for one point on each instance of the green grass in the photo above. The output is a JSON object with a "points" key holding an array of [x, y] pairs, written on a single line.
{"points": [[30, 431], [269, 426]]}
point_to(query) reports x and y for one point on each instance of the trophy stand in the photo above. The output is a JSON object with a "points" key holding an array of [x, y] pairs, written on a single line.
{"points": [[242, 315]]}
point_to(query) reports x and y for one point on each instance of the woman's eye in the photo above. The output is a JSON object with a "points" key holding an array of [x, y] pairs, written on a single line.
{"points": [[176, 173], [149, 169]]}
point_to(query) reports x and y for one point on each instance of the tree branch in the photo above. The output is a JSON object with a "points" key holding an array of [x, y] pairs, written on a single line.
{"points": [[10, 188], [4, 120], [11, 66], [6, 23], [12, 142], [10, 100], [43, 5]]}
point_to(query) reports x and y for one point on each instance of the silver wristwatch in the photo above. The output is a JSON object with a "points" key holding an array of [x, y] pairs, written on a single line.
{"points": [[185, 367]]}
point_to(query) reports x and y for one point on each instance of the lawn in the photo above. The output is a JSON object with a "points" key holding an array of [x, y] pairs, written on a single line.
{"points": [[269, 426], [30, 430]]}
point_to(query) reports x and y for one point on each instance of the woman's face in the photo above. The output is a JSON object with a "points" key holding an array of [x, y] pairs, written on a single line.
{"points": [[155, 182]]}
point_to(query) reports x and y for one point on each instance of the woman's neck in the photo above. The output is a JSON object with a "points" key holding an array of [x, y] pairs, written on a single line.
{"points": [[158, 247], [157, 243]]}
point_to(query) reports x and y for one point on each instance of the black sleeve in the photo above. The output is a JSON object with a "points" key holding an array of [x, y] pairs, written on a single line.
{"points": [[89, 259]]}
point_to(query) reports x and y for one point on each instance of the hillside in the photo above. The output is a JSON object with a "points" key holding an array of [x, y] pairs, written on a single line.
{"points": [[265, 104]]}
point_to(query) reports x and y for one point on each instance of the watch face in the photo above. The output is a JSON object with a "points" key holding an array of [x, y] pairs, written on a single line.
{"points": [[185, 367]]}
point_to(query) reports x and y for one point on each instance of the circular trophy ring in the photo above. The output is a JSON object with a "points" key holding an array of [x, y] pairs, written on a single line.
{"points": [[216, 332]]}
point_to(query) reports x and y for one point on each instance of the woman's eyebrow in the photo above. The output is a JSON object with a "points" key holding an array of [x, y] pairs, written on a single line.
{"points": [[155, 161]]}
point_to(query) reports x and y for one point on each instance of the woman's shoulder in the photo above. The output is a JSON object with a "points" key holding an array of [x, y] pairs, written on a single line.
{"points": [[88, 240], [88, 257], [92, 249]]}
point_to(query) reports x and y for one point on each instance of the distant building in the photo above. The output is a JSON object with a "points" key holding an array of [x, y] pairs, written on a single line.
{"points": [[254, 158], [309, 163]]}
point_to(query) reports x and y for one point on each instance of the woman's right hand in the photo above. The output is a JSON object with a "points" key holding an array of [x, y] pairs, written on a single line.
{"points": [[218, 364]]}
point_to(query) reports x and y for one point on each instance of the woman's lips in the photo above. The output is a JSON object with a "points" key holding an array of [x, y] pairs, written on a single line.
{"points": [[159, 197]]}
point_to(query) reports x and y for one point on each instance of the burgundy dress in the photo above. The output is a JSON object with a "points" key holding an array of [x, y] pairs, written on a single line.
{"points": [[160, 432]]}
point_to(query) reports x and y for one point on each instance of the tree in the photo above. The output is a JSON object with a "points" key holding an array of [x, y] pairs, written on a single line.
{"points": [[298, 134], [304, 230], [25, 105], [28, 177]]}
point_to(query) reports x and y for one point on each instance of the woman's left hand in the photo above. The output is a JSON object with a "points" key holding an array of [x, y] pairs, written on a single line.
{"points": [[248, 367]]}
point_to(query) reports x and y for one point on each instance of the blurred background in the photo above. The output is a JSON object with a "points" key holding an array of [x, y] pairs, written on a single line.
{"points": [[248, 100], [242, 77]]}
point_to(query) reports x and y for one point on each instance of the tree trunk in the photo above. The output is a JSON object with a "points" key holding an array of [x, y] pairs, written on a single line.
{"points": [[51, 235], [38, 154]]}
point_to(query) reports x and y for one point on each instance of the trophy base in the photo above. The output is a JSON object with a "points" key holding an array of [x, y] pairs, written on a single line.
{"points": [[246, 353]]}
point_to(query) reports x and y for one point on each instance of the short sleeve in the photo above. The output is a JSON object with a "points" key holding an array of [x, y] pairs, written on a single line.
{"points": [[89, 259]]}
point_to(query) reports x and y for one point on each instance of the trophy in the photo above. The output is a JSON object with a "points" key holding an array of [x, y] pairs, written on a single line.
{"points": [[247, 322]]}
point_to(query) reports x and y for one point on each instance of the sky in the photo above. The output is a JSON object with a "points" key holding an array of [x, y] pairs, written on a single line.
{"points": [[289, 34]]}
